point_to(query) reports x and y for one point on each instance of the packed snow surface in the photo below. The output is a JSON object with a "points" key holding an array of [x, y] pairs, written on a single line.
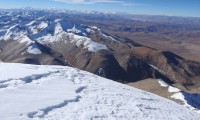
{"points": [[64, 93]]}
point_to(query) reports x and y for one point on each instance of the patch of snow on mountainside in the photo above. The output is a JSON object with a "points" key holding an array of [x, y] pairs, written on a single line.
{"points": [[57, 92], [58, 29], [25, 39], [87, 43], [173, 89], [74, 30], [92, 30], [30, 23], [17, 32], [42, 25], [191, 101], [33, 49], [57, 20], [9, 33], [108, 37], [80, 41], [37, 26], [162, 83]]}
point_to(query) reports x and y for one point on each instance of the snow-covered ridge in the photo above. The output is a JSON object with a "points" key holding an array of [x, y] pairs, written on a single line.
{"points": [[57, 92], [72, 35], [48, 29]]}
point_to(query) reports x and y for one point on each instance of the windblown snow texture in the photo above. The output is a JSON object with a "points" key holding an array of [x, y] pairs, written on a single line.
{"points": [[55, 92]]}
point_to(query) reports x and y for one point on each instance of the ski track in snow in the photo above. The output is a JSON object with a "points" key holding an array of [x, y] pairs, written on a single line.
{"points": [[44, 111], [55, 92], [35, 78]]}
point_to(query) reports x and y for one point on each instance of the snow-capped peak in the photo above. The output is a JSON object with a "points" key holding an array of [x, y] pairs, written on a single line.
{"points": [[49, 30], [58, 29]]}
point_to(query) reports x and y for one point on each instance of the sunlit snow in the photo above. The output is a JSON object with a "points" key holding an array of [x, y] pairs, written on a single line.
{"points": [[58, 92]]}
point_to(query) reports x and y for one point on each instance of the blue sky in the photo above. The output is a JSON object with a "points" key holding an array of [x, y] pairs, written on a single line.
{"points": [[153, 7]]}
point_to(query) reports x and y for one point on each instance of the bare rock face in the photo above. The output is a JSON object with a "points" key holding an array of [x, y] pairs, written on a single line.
{"points": [[58, 41]]}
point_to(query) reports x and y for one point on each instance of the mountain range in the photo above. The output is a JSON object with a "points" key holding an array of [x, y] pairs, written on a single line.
{"points": [[101, 41]]}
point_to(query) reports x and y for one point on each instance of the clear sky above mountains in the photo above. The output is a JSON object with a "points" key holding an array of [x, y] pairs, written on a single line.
{"points": [[154, 7]]}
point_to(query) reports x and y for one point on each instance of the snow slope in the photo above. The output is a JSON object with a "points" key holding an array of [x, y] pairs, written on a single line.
{"points": [[57, 92]]}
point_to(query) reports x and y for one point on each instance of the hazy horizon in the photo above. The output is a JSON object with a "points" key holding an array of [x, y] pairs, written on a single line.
{"points": [[184, 8]]}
